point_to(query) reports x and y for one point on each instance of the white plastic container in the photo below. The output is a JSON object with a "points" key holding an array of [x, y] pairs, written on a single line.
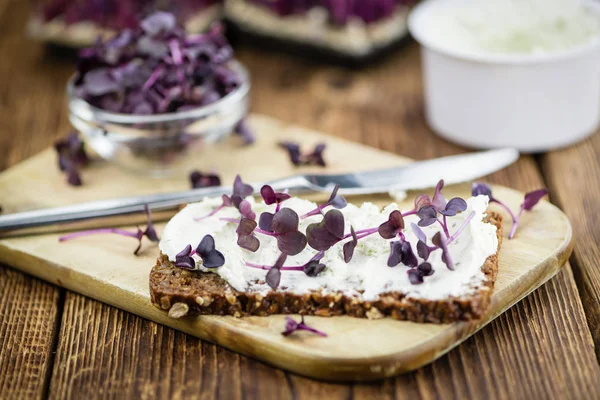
{"points": [[533, 102]]}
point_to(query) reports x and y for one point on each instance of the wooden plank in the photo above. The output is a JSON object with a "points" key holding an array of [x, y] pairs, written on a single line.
{"points": [[29, 311], [573, 175]]}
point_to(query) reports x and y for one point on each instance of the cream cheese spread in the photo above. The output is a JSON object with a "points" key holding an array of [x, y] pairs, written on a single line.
{"points": [[366, 276]]}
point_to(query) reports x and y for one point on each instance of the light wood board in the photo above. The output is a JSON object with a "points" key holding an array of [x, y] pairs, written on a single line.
{"points": [[356, 349]]}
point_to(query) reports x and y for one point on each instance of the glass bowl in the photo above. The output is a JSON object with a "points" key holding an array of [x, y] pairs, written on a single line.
{"points": [[161, 144]]}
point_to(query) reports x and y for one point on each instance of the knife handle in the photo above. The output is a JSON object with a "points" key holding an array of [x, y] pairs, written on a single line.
{"points": [[105, 208]]}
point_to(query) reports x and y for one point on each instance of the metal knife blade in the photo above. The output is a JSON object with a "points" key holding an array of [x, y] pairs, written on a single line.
{"points": [[417, 175]]}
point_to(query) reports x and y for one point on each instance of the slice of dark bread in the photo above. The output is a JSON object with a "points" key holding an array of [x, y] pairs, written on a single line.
{"points": [[185, 292]]}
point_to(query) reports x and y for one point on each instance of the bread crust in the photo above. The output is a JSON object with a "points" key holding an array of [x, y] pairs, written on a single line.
{"points": [[209, 294]]}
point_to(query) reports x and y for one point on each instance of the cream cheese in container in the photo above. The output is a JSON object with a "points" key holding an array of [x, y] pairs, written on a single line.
{"points": [[509, 73]]}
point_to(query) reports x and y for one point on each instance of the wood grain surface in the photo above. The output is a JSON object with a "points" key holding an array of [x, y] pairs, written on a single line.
{"points": [[541, 348]]}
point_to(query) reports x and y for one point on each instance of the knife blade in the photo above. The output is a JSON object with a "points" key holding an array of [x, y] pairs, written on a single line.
{"points": [[416, 175]]}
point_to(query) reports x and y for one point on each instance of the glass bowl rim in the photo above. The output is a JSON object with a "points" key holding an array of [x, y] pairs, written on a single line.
{"points": [[86, 111]]}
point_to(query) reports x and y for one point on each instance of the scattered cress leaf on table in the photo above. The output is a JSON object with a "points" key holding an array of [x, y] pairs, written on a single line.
{"points": [[292, 326], [298, 158], [532, 198], [201, 180]]}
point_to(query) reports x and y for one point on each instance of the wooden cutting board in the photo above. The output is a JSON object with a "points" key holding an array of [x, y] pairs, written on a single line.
{"points": [[104, 268]]}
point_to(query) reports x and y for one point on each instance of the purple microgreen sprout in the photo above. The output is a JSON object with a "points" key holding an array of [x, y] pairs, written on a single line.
{"points": [[201, 180], [274, 274], [149, 232], [292, 326], [393, 226], [284, 227], [211, 257], [237, 200], [401, 252], [323, 235], [246, 238], [350, 246], [442, 243], [272, 197], [312, 268], [416, 275], [427, 215], [265, 221], [439, 201], [156, 68], [298, 158], [335, 200], [71, 157], [243, 130], [530, 200], [184, 259], [453, 207]]}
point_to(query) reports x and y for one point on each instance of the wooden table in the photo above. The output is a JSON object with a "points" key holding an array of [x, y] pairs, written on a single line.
{"points": [[58, 344]]}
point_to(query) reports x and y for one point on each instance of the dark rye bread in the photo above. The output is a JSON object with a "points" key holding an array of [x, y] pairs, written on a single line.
{"points": [[184, 292]]}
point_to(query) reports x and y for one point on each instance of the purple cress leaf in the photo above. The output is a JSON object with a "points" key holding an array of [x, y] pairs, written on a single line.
{"points": [[245, 232], [350, 246], [421, 201], [243, 130], [323, 235], [150, 231], [440, 241], [532, 198], [479, 188], [292, 326], [200, 180], [211, 257], [394, 225], [293, 150], [272, 197], [418, 232], [439, 201], [184, 260], [286, 220], [291, 243], [454, 206], [240, 188], [425, 269], [336, 200], [274, 274], [401, 252], [314, 267], [427, 215], [265, 221], [316, 157], [423, 250], [414, 276]]}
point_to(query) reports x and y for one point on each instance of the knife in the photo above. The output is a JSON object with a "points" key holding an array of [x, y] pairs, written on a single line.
{"points": [[416, 175]]}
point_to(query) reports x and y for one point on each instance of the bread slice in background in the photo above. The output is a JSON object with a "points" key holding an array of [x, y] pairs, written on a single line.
{"points": [[184, 292]]}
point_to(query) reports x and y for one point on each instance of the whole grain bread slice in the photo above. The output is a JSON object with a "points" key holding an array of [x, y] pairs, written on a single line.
{"points": [[185, 292]]}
